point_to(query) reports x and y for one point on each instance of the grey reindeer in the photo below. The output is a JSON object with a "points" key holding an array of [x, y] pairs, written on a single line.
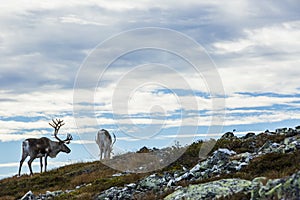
{"points": [[44, 147], [105, 143]]}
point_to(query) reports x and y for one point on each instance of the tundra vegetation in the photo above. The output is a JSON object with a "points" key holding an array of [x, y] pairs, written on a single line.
{"points": [[264, 158]]}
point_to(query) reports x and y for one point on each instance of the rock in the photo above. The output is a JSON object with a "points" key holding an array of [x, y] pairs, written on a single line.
{"points": [[228, 135], [184, 168], [221, 161], [241, 165], [243, 157], [248, 135], [285, 188], [275, 145], [291, 144], [226, 151], [131, 185], [144, 149], [151, 182], [291, 132], [256, 184], [211, 190], [171, 183], [220, 156], [50, 194], [29, 196], [297, 128], [288, 140], [281, 131], [196, 168], [78, 187], [187, 175], [270, 147], [117, 174], [259, 180], [69, 191]]}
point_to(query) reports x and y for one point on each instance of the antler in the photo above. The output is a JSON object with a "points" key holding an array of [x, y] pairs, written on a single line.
{"points": [[56, 124], [69, 138]]}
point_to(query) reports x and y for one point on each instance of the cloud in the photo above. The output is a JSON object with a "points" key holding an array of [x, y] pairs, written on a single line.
{"points": [[243, 108], [282, 38], [74, 19]]}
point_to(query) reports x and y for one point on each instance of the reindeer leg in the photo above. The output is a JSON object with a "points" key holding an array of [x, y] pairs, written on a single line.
{"points": [[29, 165], [101, 152], [46, 156], [101, 155], [41, 164], [24, 156], [107, 156], [106, 153]]}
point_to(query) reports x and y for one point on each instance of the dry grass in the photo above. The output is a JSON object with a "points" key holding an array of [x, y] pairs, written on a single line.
{"points": [[7, 198], [64, 178], [274, 165]]}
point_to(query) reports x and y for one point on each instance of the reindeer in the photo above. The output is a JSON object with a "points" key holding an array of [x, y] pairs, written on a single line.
{"points": [[44, 147], [105, 143]]}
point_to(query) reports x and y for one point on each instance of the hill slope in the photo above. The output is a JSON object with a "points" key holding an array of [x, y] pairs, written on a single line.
{"points": [[232, 160]]}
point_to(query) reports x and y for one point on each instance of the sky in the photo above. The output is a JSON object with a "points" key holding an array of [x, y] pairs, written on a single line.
{"points": [[151, 72]]}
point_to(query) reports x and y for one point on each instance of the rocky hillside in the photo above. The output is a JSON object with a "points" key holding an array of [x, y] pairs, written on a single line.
{"points": [[263, 166]]}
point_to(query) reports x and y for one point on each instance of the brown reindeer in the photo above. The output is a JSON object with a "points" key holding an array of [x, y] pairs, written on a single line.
{"points": [[44, 147]]}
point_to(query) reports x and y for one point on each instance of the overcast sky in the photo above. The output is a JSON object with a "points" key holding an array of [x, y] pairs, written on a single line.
{"points": [[253, 48]]}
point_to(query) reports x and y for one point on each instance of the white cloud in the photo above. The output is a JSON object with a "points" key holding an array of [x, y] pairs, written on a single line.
{"points": [[248, 101], [76, 20], [282, 38], [117, 5], [275, 116], [258, 76], [48, 103]]}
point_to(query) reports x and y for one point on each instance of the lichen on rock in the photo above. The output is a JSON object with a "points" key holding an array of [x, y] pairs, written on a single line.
{"points": [[211, 190]]}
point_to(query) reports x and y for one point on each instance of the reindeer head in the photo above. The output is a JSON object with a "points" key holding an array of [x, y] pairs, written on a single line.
{"points": [[56, 124]]}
